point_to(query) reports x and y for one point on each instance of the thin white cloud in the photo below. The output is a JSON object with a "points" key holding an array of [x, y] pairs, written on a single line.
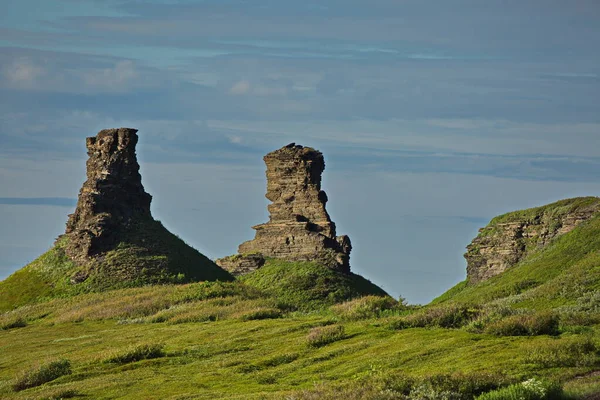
{"points": [[235, 139], [240, 88], [115, 79], [499, 137], [23, 73]]}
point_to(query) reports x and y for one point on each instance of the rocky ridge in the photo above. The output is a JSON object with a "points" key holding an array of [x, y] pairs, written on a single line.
{"points": [[511, 237], [299, 227]]}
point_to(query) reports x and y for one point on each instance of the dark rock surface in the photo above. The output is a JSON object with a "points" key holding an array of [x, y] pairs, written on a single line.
{"points": [[299, 227], [241, 264], [111, 197]]}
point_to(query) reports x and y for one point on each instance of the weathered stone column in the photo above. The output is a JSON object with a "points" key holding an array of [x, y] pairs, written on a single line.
{"points": [[111, 197], [299, 227]]}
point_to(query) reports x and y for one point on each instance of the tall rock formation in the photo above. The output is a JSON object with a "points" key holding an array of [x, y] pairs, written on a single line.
{"points": [[299, 227], [508, 239], [112, 237], [111, 197]]}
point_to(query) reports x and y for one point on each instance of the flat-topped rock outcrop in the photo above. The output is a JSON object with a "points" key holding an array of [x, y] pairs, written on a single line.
{"points": [[509, 238], [299, 227]]}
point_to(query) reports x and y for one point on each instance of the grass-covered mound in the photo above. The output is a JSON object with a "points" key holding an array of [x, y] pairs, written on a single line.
{"points": [[565, 273], [551, 212], [306, 285], [146, 254]]}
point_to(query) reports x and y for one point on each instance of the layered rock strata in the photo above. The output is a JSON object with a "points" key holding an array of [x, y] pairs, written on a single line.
{"points": [[299, 227], [510, 238]]}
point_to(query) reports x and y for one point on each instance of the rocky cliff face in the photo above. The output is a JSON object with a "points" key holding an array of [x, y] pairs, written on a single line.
{"points": [[299, 227], [511, 237], [111, 197]]}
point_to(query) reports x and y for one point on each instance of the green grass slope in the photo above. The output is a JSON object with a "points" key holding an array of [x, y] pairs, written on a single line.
{"points": [[218, 340], [564, 273], [307, 285], [147, 254], [550, 212]]}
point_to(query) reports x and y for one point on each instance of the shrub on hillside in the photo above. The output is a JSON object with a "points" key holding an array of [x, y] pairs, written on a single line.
{"points": [[447, 316], [43, 374], [490, 314], [61, 394], [578, 352], [12, 322], [137, 353], [578, 322], [322, 335], [589, 302], [400, 386], [545, 323], [261, 313], [531, 389], [364, 307]]}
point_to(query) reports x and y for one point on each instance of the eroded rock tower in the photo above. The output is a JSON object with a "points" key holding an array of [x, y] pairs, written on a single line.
{"points": [[299, 227], [111, 237], [111, 197]]}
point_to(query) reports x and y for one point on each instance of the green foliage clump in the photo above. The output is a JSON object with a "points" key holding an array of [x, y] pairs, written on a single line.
{"points": [[307, 285], [61, 394], [445, 316], [365, 307], [43, 374], [323, 335], [532, 389], [399, 386], [574, 352], [137, 353], [12, 322], [261, 313], [544, 323]]}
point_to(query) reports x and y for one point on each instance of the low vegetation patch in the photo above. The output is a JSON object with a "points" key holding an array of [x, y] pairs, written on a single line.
{"points": [[445, 316], [569, 352], [137, 353], [545, 323], [61, 394], [261, 313], [12, 322], [323, 335], [532, 389], [307, 285], [366, 307], [42, 374], [398, 386]]}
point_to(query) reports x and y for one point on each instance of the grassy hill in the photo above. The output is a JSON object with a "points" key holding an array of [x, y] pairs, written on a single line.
{"points": [[307, 285], [566, 273], [147, 254], [229, 340]]}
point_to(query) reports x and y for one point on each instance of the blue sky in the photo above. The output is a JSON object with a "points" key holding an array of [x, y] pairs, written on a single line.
{"points": [[434, 116]]}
